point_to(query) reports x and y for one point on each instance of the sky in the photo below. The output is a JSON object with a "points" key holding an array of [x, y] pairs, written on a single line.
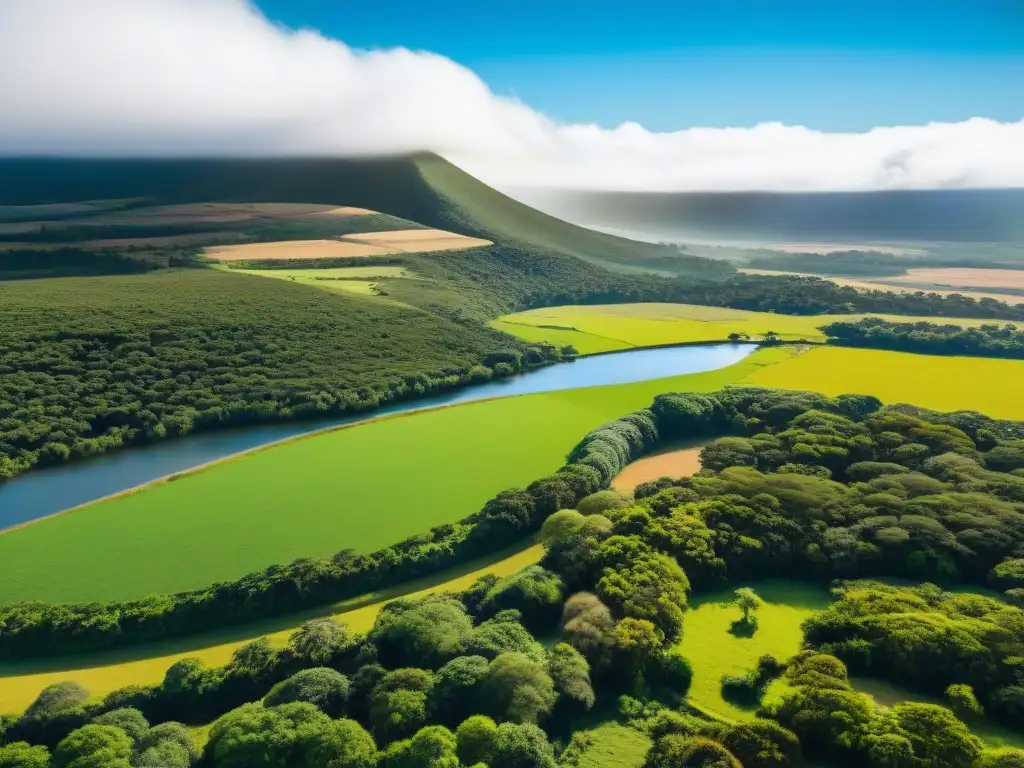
{"points": [[632, 95], [838, 65]]}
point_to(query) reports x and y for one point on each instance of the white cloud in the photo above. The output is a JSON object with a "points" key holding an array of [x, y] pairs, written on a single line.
{"points": [[164, 77]]}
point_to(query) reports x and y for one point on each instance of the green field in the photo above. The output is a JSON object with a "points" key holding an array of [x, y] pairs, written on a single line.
{"points": [[345, 279], [714, 651], [615, 746], [361, 487], [988, 385], [101, 673], [609, 327]]}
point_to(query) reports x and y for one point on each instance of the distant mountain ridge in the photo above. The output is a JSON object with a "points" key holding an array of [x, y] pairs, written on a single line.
{"points": [[423, 187]]}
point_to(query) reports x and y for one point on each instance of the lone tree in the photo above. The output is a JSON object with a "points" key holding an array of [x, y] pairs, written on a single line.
{"points": [[748, 601]]}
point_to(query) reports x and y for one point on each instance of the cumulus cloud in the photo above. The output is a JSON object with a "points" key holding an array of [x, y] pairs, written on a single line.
{"points": [[214, 77]]}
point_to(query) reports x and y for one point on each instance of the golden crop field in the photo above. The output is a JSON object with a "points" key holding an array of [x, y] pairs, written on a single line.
{"points": [[992, 386]]}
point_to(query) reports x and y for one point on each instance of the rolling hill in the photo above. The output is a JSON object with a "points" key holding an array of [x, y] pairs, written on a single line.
{"points": [[423, 188]]}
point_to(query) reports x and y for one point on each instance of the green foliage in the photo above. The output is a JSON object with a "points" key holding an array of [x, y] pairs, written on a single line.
{"points": [[929, 338], [518, 689], [129, 720], [764, 744], [603, 501], [290, 736], [674, 750], [322, 687], [588, 626], [651, 587], [963, 702], [476, 737], [431, 747], [94, 746], [501, 633], [424, 633], [456, 691], [535, 592], [320, 641], [519, 745], [398, 704], [20, 754], [570, 673], [57, 698]]}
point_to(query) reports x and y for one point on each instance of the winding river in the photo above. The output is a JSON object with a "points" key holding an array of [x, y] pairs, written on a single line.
{"points": [[47, 491]]}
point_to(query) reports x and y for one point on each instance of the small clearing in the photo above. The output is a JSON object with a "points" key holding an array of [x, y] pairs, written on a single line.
{"points": [[668, 462], [714, 650]]}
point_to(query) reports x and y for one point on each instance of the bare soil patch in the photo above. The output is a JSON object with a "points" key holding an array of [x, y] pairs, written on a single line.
{"points": [[296, 249], [671, 462], [419, 240]]}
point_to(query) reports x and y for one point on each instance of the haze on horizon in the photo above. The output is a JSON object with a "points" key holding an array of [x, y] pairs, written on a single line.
{"points": [[218, 77]]}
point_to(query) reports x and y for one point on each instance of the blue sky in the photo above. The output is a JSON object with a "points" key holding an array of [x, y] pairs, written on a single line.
{"points": [[668, 64]]}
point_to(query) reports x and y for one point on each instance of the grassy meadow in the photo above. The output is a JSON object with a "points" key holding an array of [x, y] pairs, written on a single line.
{"points": [[714, 651], [610, 327], [614, 746], [360, 487], [338, 279], [102, 673]]}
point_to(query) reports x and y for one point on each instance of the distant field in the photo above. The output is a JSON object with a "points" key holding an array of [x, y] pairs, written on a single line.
{"points": [[991, 386], [714, 651], [608, 327], [669, 462], [351, 246], [950, 277], [102, 673], [893, 285], [316, 496]]}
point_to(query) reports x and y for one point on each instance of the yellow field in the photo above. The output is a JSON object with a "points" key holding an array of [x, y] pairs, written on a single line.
{"points": [[608, 327], [991, 386], [105, 672], [295, 249]]}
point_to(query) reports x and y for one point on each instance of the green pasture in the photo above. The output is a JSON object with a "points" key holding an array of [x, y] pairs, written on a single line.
{"points": [[609, 327], [345, 279], [613, 745], [714, 651], [361, 487]]}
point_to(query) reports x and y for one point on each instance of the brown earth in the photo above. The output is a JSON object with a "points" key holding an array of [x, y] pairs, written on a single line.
{"points": [[672, 462]]}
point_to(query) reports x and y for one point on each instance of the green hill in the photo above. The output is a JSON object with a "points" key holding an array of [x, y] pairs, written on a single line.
{"points": [[423, 188]]}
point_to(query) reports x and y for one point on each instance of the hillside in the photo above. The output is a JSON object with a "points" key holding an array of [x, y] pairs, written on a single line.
{"points": [[421, 188]]}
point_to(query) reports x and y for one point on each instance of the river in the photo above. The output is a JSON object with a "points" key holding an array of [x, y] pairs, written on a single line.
{"points": [[47, 491]]}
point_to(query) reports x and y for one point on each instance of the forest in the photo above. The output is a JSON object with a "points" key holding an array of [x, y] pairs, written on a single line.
{"points": [[992, 340], [841, 491]]}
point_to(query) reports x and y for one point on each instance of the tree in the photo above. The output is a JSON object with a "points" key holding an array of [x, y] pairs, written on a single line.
{"points": [[570, 673], [23, 755], [476, 737], [588, 626], [535, 592], [603, 501], [963, 702], [651, 587], [457, 688], [748, 601], [57, 698], [518, 688], [521, 746], [938, 738], [431, 747], [678, 751], [398, 705], [503, 633], [94, 746], [320, 641], [424, 633], [637, 643], [129, 720], [764, 744], [322, 687]]}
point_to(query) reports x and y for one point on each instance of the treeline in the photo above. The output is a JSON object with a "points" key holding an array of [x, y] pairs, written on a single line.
{"points": [[929, 338], [91, 366], [852, 263], [73, 261]]}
